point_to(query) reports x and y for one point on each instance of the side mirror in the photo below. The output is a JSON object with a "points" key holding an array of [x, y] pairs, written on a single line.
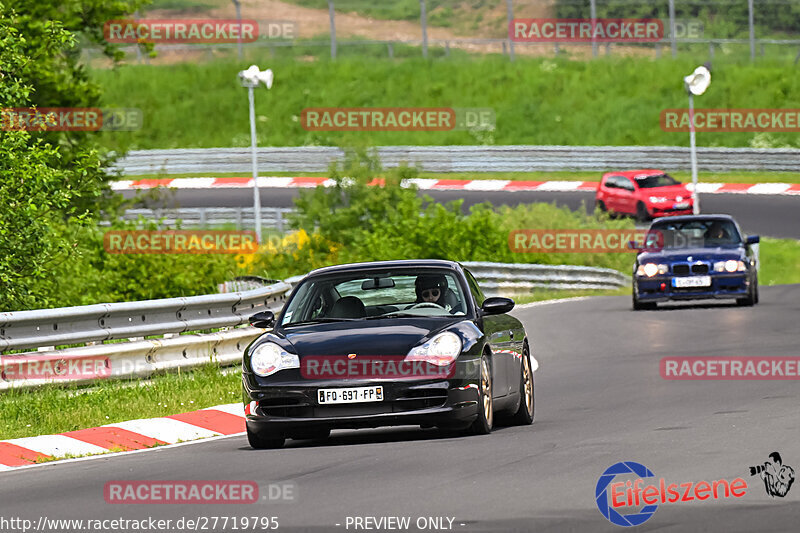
{"points": [[497, 305], [752, 239], [264, 320]]}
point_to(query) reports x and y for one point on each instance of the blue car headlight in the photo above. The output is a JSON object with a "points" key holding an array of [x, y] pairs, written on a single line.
{"points": [[730, 265], [651, 269]]}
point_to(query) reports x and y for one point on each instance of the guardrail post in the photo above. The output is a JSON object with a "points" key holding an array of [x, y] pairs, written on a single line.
{"points": [[672, 37], [391, 50], [752, 28], [510, 16], [332, 16], [424, 20], [593, 9], [239, 18]]}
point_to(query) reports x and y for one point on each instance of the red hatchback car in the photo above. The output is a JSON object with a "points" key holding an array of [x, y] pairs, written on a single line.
{"points": [[644, 194]]}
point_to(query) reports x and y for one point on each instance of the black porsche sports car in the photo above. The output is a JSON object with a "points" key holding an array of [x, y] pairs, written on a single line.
{"points": [[386, 343]]}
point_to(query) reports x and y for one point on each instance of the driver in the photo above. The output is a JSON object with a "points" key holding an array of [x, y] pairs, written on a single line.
{"points": [[717, 231], [431, 288]]}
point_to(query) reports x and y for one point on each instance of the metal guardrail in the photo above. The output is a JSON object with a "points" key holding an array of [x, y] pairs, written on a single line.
{"points": [[516, 279], [241, 217], [101, 322], [463, 159]]}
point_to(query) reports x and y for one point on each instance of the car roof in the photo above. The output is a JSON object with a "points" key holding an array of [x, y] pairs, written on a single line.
{"points": [[373, 265], [688, 218], [636, 173]]}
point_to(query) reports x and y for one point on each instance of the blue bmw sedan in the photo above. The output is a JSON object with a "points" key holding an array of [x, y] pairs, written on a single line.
{"points": [[695, 257]]}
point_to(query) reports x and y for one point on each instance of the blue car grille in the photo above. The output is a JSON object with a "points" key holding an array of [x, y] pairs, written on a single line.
{"points": [[683, 269]]}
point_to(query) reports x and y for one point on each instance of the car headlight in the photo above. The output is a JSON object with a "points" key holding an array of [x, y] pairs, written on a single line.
{"points": [[730, 265], [270, 358], [651, 269], [658, 199], [441, 350]]}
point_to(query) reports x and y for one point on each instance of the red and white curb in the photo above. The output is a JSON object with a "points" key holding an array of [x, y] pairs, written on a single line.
{"points": [[434, 184], [124, 436]]}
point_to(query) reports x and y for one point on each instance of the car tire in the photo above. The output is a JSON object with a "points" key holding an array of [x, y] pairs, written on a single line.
{"points": [[639, 305], [641, 213], [601, 206], [527, 408], [483, 424], [259, 441], [752, 295]]}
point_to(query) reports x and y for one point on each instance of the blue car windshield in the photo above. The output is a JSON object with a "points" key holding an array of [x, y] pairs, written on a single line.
{"points": [[368, 295], [697, 233]]}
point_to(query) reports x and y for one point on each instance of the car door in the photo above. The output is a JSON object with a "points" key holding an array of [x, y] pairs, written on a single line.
{"points": [[627, 196], [610, 192], [498, 333]]}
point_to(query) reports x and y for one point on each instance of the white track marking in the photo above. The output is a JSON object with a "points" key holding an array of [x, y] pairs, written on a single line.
{"points": [[486, 185], [769, 188], [193, 183], [57, 445], [560, 186], [550, 302], [165, 429]]}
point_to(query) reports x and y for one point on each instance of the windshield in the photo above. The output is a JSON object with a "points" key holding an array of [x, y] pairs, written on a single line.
{"points": [[370, 295], [693, 234], [659, 180]]}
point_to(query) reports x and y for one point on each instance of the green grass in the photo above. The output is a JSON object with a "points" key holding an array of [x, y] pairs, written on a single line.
{"points": [[54, 409], [780, 261], [703, 177], [609, 101]]}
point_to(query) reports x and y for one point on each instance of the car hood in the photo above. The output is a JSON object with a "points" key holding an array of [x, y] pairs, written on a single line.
{"points": [[668, 255], [391, 336], [670, 191]]}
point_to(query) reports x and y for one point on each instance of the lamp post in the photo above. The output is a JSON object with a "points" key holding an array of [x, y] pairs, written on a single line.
{"points": [[695, 83], [251, 78]]}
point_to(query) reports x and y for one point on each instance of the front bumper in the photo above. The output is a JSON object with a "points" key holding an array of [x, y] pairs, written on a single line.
{"points": [[285, 406], [723, 286], [664, 211]]}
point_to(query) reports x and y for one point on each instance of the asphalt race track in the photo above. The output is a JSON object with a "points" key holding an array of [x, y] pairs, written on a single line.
{"points": [[600, 399], [769, 215]]}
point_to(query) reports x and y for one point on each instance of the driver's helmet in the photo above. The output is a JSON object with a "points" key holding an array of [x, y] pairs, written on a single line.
{"points": [[428, 283], [717, 231]]}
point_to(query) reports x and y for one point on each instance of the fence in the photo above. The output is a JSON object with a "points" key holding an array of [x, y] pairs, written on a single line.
{"points": [[462, 159], [501, 279], [728, 23], [203, 217]]}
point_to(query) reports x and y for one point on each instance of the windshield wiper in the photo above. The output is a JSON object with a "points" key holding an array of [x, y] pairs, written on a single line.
{"points": [[321, 320]]}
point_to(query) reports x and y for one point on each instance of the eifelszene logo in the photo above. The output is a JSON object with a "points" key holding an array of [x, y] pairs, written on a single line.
{"points": [[778, 477], [632, 493]]}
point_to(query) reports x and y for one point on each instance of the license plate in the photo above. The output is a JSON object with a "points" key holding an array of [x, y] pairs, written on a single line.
{"points": [[352, 395], [682, 205], [693, 281]]}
